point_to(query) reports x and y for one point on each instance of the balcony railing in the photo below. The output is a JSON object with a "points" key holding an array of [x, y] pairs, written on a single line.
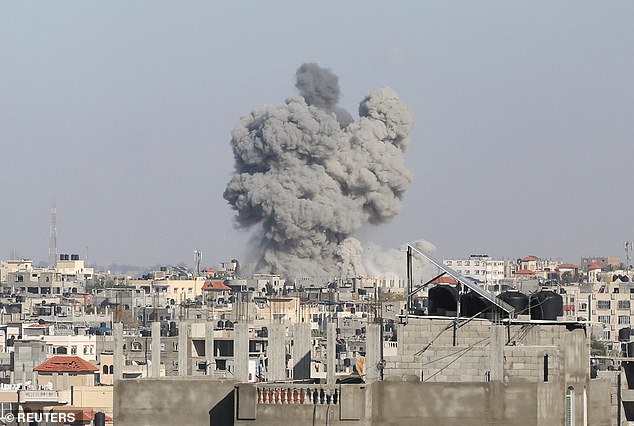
{"points": [[297, 394], [47, 396]]}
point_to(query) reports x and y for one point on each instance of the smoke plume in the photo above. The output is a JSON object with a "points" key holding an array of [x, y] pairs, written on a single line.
{"points": [[310, 176]]}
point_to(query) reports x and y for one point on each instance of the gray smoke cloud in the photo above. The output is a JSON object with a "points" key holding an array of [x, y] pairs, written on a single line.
{"points": [[310, 178], [320, 87], [391, 263]]}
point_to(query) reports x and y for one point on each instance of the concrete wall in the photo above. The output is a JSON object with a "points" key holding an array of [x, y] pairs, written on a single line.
{"points": [[98, 398], [173, 401], [199, 401]]}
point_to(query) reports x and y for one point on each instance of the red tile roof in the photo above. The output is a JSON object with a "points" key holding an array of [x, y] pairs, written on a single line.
{"points": [[444, 280], [215, 286], [567, 266], [65, 364], [528, 258], [88, 415], [594, 266]]}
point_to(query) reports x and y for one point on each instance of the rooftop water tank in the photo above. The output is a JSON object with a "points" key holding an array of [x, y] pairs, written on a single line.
{"points": [[516, 299], [546, 305], [472, 304], [443, 300]]}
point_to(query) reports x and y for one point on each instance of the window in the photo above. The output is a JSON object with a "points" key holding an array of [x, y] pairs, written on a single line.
{"points": [[105, 369], [73, 350], [162, 347], [606, 335], [448, 262], [603, 304], [583, 306], [136, 347], [624, 304], [624, 319], [605, 319]]}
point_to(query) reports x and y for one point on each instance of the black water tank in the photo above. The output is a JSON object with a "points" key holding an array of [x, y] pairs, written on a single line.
{"points": [[442, 299], [173, 329], [100, 419], [472, 304], [546, 305], [516, 299]]}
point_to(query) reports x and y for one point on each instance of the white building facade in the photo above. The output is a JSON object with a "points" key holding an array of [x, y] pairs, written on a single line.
{"points": [[480, 267]]}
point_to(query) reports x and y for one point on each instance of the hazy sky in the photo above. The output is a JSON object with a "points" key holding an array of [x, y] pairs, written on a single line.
{"points": [[120, 112]]}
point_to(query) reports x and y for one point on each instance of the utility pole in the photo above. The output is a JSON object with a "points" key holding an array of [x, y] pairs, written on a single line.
{"points": [[52, 239]]}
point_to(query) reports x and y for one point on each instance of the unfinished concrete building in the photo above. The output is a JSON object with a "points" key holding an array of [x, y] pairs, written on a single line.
{"points": [[447, 368]]}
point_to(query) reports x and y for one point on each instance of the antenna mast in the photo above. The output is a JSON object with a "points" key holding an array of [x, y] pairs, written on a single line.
{"points": [[198, 256], [52, 240]]}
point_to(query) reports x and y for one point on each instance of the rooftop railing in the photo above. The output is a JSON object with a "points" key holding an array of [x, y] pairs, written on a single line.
{"points": [[297, 394]]}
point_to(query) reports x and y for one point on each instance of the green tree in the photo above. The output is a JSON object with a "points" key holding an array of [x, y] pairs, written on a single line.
{"points": [[597, 347]]}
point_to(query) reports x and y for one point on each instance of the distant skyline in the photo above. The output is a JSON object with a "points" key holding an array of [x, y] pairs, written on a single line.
{"points": [[121, 113]]}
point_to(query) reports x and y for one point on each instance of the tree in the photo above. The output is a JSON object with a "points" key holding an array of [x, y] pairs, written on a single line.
{"points": [[597, 347]]}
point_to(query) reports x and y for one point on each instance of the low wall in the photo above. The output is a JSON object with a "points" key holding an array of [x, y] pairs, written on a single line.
{"points": [[201, 401], [174, 401]]}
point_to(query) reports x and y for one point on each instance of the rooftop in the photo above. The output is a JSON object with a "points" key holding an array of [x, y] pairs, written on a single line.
{"points": [[65, 364]]}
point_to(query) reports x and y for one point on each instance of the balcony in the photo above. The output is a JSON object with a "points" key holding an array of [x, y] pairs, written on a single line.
{"points": [[44, 396], [390, 348]]}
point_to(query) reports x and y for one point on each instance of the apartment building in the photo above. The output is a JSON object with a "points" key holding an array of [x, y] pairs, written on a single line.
{"points": [[480, 267], [70, 275], [600, 262], [608, 306]]}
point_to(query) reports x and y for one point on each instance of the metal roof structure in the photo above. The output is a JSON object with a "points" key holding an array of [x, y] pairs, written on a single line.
{"points": [[464, 281]]}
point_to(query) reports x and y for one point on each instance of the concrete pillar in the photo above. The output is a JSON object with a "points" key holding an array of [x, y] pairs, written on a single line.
{"points": [[276, 352], [118, 351], [55, 381], [209, 348], [497, 353], [65, 381], [373, 343], [155, 371], [183, 348], [241, 352], [301, 351], [331, 348]]}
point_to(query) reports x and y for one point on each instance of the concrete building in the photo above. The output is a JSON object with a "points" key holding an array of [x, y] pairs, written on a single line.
{"points": [[517, 373], [480, 267], [601, 261]]}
